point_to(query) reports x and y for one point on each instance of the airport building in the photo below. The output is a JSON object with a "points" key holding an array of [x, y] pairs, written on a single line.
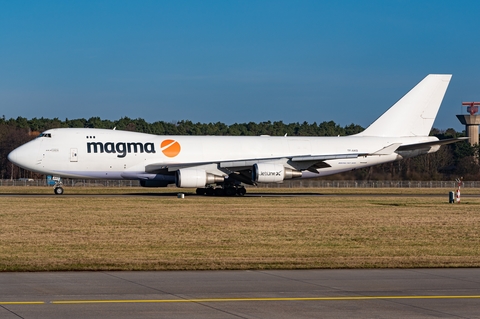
{"points": [[471, 121]]}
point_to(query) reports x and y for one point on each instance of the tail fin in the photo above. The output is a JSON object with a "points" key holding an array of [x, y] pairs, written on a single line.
{"points": [[415, 112]]}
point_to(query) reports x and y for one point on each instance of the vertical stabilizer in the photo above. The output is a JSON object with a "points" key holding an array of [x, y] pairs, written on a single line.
{"points": [[415, 112]]}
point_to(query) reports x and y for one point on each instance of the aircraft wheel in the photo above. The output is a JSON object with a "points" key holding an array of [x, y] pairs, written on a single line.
{"points": [[219, 191], [58, 190], [209, 191], [230, 191], [200, 191], [241, 191]]}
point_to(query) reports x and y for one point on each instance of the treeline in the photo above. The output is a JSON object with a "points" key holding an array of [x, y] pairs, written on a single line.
{"points": [[451, 161], [188, 127]]}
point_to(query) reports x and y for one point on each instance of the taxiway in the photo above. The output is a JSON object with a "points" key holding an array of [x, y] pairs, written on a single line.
{"points": [[407, 293]]}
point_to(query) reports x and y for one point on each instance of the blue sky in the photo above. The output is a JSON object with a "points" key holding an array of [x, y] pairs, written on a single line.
{"points": [[233, 61]]}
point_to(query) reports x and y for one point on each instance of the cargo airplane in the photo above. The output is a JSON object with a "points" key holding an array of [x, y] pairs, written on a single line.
{"points": [[220, 165]]}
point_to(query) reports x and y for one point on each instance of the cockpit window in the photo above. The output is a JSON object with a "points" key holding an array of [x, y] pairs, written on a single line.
{"points": [[45, 135]]}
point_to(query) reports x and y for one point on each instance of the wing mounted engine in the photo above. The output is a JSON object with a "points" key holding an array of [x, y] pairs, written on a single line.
{"points": [[190, 177], [272, 173]]}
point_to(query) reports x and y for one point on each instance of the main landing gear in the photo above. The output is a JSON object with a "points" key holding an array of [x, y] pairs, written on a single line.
{"points": [[231, 190]]}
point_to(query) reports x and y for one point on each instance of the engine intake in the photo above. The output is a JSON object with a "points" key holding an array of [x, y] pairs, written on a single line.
{"points": [[272, 173], [187, 177]]}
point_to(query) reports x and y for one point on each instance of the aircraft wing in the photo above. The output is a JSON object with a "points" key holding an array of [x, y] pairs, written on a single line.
{"points": [[302, 162], [299, 162]]}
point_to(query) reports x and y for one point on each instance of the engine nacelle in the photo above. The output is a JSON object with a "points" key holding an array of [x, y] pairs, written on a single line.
{"points": [[189, 177], [272, 173]]}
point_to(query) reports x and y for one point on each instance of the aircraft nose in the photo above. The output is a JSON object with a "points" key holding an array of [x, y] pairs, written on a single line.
{"points": [[21, 156], [12, 156]]}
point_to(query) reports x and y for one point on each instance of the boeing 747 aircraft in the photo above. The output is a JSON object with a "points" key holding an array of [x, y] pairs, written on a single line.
{"points": [[220, 164]]}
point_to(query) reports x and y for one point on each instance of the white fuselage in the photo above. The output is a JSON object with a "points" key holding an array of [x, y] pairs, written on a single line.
{"points": [[112, 154]]}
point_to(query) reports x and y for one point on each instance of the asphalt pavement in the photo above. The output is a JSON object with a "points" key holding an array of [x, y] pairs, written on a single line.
{"points": [[377, 293]]}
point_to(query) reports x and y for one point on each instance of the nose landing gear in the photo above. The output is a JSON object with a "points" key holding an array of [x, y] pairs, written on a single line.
{"points": [[57, 188]]}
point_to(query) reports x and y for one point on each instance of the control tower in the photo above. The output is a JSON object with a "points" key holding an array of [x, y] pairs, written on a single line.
{"points": [[471, 121]]}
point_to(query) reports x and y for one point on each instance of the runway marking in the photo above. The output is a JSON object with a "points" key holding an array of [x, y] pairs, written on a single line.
{"points": [[346, 298], [4, 303]]}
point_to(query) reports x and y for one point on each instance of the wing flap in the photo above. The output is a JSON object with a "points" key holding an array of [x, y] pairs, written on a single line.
{"points": [[321, 158]]}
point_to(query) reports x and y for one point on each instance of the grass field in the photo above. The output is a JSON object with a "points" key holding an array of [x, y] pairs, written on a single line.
{"points": [[161, 232]]}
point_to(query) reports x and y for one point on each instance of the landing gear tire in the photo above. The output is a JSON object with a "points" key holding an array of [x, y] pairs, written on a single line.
{"points": [[241, 191], [230, 191], [58, 190]]}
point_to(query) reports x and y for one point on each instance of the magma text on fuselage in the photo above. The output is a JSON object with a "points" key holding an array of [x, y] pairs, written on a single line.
{"points": [[120, 148]]}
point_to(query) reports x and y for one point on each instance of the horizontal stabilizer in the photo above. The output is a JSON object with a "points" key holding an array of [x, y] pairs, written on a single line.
{"points": [[429, 144]]}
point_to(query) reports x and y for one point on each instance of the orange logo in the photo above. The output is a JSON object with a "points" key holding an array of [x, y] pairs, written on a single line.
{"points": [[170, 148]]}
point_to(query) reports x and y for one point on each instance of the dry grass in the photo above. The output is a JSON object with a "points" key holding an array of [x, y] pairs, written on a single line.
{"points": [[163, 232]]}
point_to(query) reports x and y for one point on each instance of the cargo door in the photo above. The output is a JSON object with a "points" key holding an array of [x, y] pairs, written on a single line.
{"points": [[73, 155]]}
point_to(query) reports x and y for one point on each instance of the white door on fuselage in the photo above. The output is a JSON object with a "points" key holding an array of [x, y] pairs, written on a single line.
{"points": [[73, 155]]}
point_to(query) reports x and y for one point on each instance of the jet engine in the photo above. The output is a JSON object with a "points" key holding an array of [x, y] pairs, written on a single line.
{"points": [[272, 173], [189, 177]]}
